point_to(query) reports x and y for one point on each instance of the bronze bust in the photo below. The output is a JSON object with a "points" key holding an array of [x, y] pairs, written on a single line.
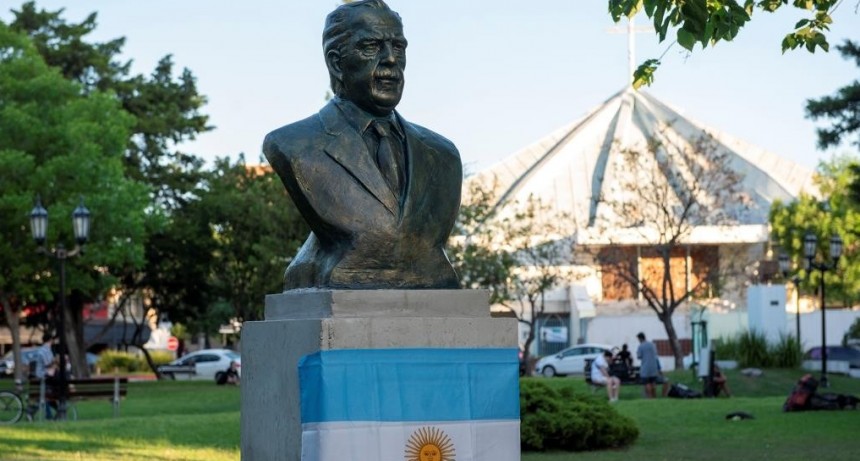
{"points": [[380, 194]]}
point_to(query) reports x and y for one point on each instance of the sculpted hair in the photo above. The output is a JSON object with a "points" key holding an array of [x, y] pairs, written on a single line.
{"points": [[337, 31]]}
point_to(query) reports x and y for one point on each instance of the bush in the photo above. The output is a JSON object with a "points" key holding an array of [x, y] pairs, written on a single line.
{"points": [[752, 346], [787, 353], [120, 361], [128, 362], [727, 348], [566, 420], [159, 358], [751, 349]]}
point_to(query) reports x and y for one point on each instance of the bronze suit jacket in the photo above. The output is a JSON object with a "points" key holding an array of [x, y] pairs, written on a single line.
{"points": [[361, 236]]}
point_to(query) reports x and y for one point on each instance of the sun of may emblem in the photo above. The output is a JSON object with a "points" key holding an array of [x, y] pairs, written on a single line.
{"points": [[429, 444]]}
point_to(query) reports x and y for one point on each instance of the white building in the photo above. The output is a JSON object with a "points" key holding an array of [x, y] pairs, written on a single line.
{"points": [[585, 170]]}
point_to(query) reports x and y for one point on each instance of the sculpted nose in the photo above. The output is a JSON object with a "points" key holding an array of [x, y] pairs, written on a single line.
{"points": [[387, 53]]}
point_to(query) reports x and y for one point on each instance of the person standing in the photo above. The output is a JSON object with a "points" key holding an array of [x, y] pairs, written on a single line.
{"points": [[600, 375], [649, 366]]}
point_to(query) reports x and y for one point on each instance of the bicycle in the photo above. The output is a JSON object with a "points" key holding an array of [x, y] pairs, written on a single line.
{"points": [[13, 408]]}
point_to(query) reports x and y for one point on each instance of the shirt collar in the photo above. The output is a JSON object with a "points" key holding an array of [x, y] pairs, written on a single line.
{"points": [[361, 120]]}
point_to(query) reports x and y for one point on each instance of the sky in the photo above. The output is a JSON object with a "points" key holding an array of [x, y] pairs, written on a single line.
{"points": [[492, 76]]}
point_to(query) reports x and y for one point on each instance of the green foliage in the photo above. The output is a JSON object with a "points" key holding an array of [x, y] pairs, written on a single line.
{"points": [[127, 362], [563, 419], [179, 330], [786, 353], [516, 250], [839, 215], [752, 346], [256, 230], [751, 349], [123, 362], [727, 348], [64, 144], [841, 109], [709, 21], [644, 74], [166, 109]]}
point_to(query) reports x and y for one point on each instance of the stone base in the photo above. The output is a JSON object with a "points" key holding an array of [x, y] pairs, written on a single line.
{"points": [[301, 322]]}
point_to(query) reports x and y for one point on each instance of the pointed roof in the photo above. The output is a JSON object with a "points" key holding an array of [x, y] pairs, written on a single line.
{"points": [[571, 167]]}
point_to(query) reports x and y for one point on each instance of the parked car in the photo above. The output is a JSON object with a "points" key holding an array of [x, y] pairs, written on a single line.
{"points": [[30, 354], [206, 364], [847, 354], [570, 360]]}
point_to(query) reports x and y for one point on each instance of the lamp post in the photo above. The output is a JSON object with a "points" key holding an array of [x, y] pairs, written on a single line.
{"points": [[785, 268], [81, 228], [810, 247]]}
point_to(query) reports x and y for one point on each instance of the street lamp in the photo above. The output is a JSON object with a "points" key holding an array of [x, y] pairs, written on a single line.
{"points": [[785, 268], [81, 228], [810, 246]]}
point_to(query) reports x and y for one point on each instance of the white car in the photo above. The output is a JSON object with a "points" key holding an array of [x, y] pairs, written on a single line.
{"points": [[205, 362], [570, 360]]}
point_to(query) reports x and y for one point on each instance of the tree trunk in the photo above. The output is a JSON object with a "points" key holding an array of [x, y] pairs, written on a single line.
{"points": [[13, 320], [673, 341], [74, 340], [529, 370]]}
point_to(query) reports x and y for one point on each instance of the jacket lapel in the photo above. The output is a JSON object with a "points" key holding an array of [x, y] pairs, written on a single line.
{"points": [[418, 171], [346, 147]]}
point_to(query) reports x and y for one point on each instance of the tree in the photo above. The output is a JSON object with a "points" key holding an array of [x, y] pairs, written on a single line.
{"points": [[664, 192], [708, 22], [63, 144], [256, 229], [166, 110], [518, 255], [841, 109], [836, 214]]}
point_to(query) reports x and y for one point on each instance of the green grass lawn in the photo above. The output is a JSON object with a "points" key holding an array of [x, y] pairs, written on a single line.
{"points": [[160, 421], [167, 421]]}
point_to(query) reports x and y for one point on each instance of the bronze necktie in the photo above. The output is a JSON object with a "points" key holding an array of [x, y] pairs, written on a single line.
{"points": [[389, 157]]}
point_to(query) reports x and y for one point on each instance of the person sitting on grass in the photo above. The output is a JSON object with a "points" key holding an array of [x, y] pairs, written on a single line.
{"points": [[719, 383], [230, 375], [600, 376]]}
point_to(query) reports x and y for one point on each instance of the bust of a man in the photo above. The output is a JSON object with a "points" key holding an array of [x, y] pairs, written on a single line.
{"points": [[380, 194]]}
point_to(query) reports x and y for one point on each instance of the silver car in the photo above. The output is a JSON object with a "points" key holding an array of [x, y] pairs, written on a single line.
{"points": [[203, 364], [570, 361]]}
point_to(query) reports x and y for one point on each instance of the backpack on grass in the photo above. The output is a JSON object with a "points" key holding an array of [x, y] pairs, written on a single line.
{"points": [[680, 391], [799, 398]]}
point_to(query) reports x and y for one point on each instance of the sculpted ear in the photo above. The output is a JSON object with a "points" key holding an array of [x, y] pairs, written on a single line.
{"points": [[332, 60]]}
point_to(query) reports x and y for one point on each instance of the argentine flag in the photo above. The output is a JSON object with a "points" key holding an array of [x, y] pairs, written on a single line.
{"points": [[410, 405]]}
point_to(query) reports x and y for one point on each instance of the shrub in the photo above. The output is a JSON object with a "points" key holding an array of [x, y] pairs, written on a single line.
{"points": [[566, 420], [120, 361], [160, 358], [727, 348], [786, 353], [753, 350]]}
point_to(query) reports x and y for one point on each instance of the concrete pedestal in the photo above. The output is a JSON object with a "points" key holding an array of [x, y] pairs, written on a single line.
{"points": [[301, 322]]}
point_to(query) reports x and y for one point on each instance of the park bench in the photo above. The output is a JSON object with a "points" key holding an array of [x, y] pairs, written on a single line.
{"points": [[171, 371], [111, 388]]}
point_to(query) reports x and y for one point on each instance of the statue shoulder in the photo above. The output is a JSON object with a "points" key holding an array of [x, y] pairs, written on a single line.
{"points": [[436, 140], [292, 137]]}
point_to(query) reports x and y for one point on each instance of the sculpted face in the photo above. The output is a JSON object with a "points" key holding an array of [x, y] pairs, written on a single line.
{"points": [[372, 62]]}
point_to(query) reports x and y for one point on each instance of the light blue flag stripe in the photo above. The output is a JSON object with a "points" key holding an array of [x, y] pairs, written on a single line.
{"points": [[409, 385]]}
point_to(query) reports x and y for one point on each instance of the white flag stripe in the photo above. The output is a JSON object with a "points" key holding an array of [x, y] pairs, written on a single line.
{"points": [[471, 440]]}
